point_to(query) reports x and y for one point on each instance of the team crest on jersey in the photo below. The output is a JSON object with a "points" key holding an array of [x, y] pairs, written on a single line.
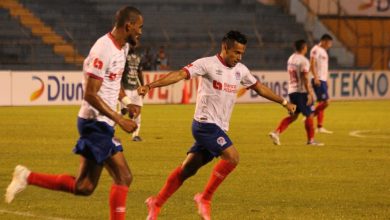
{"points": [[221, 141], [238, 75], [218, 72]]}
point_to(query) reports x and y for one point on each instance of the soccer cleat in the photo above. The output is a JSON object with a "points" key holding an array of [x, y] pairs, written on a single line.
{"points": [[323, 130], [314, 143], [204, 207], [153, 209], [137, 139], [275, 138], [18, 184]]}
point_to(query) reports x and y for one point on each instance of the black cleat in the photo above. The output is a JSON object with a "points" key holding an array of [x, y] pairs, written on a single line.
{"points": [[137, 138]]}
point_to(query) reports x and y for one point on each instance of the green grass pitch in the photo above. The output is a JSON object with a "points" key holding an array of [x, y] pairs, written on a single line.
{"points": [[348, 178]]}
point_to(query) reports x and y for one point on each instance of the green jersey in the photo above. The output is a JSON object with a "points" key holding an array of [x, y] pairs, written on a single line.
{"points": [[130, 80]]}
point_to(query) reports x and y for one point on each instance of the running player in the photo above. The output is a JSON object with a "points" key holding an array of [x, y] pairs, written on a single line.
{"points": [[131, 80], [220, 77], [300, 94], [319, 63], [97, 145]]}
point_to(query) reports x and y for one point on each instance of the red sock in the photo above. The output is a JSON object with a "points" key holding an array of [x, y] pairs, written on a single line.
{"points": [[320, 107], [61, 182], [118, 195], [220, 172], [320, 118], [309, 128], [284, 124], [171, 185]]}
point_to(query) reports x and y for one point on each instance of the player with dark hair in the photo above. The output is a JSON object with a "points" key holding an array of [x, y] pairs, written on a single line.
{"points": [[300, 94], [97, 145], [319, 63], [220, 77]]}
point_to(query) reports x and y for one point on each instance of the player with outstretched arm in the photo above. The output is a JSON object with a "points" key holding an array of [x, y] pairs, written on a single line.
{"points": [[220, 78]]}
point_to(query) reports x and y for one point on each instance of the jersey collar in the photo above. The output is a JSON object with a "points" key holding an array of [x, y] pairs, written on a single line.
{"points": [[117, 45], [221, 60]]}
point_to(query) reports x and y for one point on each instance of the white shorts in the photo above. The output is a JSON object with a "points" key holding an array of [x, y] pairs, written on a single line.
{"points": [[134, 97]]}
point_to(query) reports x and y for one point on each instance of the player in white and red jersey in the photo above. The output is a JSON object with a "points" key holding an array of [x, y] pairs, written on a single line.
{"points": [[319, 62], [97, 145], [220, 77], [300, 94]]}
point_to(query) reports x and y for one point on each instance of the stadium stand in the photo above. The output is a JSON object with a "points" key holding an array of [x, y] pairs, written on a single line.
{"points": [[20, 50], [187, 29]]}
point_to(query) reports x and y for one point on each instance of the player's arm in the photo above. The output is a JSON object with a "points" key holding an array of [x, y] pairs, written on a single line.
{"points": [[170, 78], [91, 96], [313, 70], [306, 83], [267, 93]]}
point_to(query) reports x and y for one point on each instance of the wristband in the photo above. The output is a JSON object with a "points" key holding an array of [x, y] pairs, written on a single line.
{"points": [[284, 103], [126, 101]]}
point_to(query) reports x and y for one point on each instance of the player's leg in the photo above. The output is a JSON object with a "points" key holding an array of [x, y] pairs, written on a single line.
{"points": [[283, 125], [84, 184], [135, 135], [307, 111], [188, 168], [229, 161], [120, 172], [323, 103]]}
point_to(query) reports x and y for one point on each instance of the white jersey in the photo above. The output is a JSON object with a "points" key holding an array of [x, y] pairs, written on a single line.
{"points": [[218, 86], [297, 65], [106, 62], [322, 61]]}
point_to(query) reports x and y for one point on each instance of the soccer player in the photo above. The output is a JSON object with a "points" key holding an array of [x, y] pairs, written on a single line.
{"points": [[300, 94], [131, 80], [97, 145], [220, 77], [319, 62]]}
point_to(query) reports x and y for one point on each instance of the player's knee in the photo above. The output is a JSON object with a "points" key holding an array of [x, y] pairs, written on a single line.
{"points": [[188, 171], [124, 179], [84, 189], [235, 159]]}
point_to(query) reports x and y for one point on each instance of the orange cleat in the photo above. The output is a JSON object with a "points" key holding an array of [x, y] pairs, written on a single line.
{"points": [[153, 209], [204, 207]]}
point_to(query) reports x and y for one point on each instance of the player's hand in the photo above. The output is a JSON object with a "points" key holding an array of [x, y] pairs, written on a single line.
{"points": [[133, 110], [127, 125], [310, 99], [317, 82], [291, 108], [143, 90]]}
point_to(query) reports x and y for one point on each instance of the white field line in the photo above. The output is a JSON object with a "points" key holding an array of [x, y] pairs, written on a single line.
{"points": [[27, 214], [358, 134], [361, 134]]}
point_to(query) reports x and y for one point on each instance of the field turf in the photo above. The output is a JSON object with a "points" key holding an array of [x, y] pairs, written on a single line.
{"points": [[348, 178]]}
